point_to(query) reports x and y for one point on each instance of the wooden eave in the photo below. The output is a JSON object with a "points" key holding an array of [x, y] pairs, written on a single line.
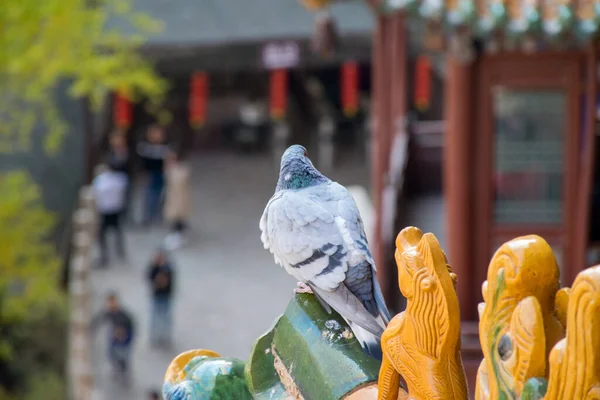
{"points": [[547, 20]]}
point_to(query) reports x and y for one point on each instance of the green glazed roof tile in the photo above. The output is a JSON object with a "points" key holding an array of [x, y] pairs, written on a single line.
{"points": [[318, 353]]}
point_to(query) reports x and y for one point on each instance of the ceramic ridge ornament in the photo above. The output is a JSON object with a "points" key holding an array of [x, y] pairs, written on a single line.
{"points": [[422, 344], [588, 15], [202, 374], [557, 16], [493, 15], [461, 13], [313, 228], [518, 319], [575, 360], [524, 16]]}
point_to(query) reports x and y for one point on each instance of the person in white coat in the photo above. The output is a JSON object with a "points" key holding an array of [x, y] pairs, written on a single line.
{"points": [[178, 202], [109, 188]]}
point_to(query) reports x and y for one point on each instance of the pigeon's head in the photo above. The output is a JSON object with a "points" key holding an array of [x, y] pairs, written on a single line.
{"points": [[297, 171], [294, 152]]}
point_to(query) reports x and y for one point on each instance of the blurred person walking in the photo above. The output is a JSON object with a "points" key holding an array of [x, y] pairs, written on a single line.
{"points": [[109, 187], [121, 334], [153, 152], [154, 395], [120, 158], [160, 275], [178, 200]]}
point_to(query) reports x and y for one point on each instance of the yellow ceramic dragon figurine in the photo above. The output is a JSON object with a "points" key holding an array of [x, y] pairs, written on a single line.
{"points": [[575, 360], [422, 344], [527, 355], [518, 324]]}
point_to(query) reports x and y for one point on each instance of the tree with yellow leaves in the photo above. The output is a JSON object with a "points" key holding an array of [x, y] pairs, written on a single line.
{"points": [[29, 289], [46, 42]]}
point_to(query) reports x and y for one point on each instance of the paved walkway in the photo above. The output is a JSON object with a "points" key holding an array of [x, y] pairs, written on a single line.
{"points": [[229, 291]]}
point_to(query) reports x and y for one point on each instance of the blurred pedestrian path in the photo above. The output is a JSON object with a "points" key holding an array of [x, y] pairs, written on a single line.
{"points": [[228, 290]]}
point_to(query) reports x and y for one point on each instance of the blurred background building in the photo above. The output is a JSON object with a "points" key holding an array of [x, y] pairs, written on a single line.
{"points": [[233, 65], [519, 134]]}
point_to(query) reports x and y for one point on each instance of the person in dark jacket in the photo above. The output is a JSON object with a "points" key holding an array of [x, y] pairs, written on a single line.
{"points": [[153, 152], [121, 332], [160, 275]]}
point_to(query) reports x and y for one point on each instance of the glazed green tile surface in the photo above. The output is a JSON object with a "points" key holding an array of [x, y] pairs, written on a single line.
{"points": [[263, 381], [319, 351], [534, 389]]}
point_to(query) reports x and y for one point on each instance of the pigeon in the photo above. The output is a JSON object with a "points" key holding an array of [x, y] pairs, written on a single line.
{"points": [[313, 228]]}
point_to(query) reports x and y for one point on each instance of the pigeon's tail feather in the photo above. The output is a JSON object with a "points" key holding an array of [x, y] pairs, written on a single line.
{"points": [[380, 301], [370, 343]]}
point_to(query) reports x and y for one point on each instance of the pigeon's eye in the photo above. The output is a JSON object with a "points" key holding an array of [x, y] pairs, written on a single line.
{"points": [[305, 153]]}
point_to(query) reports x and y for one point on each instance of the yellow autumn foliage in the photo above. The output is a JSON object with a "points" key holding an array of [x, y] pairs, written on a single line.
{"points": [[29, 278], [49, 42]]}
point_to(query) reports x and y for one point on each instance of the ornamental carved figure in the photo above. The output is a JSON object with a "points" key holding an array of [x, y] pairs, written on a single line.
{"points": [[518, 323], [422, 344], [575, 360]]}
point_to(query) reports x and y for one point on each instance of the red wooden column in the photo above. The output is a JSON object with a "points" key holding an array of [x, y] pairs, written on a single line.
{"points": [[459, 194], [390, 61], [398, 85], [457, 179], [585, 173], [380, 126]]}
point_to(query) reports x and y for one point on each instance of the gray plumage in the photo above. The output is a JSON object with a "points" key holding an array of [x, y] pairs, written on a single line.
{"points": [[313, 228]]}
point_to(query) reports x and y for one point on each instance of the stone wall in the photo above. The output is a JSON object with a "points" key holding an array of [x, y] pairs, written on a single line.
{"points": [[61, 175], [80, 371]]}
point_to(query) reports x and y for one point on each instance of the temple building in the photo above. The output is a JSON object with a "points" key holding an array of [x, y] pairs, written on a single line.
{"points": [[241, 63], [519, 123]]}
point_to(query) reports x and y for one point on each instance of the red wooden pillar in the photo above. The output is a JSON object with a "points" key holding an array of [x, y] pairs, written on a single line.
{"points": [[459, 195], [390, 61], [585, 173], [457, 179], [380, 126]]}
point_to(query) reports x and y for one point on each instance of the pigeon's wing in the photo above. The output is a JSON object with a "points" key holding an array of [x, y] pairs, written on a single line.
{"points": [[303, 236], [265, 234], [361, 278], [317, 235]]}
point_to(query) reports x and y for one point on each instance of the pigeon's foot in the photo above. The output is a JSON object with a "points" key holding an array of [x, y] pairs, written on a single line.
{"points": [[302, 287]]}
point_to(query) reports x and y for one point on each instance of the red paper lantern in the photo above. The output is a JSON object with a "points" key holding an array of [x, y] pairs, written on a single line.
{"points": [[350, 86], [198, 99], [122, 111], [278, 93], [422, 83]]}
